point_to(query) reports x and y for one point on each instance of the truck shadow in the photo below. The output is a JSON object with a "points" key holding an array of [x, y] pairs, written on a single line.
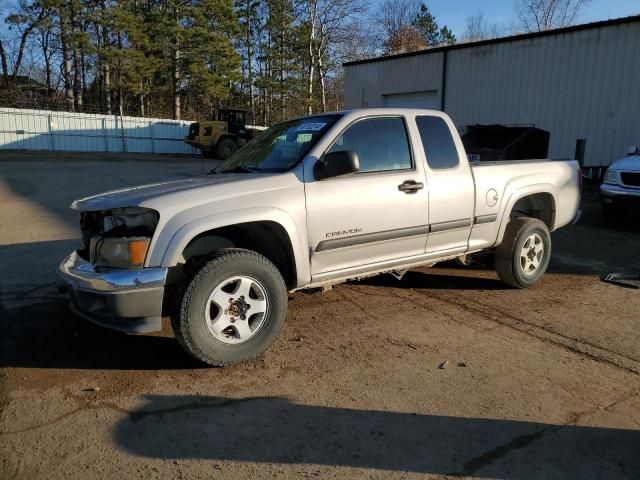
{"points": [[275, 430]]}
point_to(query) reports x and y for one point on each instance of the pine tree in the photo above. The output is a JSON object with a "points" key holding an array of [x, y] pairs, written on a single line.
{"points": [[433, 35], [194, 42], [280, 62]]}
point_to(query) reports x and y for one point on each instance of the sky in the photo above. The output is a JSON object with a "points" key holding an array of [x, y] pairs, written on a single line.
{"points": [[454, 13]]}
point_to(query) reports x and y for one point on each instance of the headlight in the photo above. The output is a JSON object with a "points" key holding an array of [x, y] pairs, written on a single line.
{"points": [[612, 177], [118, 237], [119, 252]]}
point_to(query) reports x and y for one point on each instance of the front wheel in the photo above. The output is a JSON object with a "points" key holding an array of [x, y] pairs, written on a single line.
{"points": [[232, 309], [523, 256]]}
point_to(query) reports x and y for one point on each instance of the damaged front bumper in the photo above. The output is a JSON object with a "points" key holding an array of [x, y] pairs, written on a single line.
{"points": [[128, 300]]}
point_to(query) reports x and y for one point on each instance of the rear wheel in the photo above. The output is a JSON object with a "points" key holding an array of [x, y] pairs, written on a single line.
{"points": [[523, 256], [225, 148], [232, 309]]}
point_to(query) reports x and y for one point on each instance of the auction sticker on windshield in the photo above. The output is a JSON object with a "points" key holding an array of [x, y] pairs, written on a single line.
{"points": [[310, 127]]}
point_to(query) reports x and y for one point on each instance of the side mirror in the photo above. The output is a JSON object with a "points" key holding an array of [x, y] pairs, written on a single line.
{"points": [[336, 164], [633, 150]]}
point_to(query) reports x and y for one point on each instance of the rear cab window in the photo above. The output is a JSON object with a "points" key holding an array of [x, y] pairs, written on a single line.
{"points": [[439, 148]]}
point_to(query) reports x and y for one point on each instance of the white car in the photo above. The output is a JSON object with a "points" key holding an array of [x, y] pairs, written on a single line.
{"points": [[621, 187], [309, 202]]}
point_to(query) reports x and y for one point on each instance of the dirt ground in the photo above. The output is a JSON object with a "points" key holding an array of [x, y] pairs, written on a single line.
{"points": [[541, 383]]}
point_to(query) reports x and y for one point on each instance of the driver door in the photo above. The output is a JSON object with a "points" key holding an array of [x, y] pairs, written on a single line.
{"points": [[377, 215]]}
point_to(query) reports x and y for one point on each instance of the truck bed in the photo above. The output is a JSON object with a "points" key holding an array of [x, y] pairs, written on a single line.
{"points": [[499, 183]]}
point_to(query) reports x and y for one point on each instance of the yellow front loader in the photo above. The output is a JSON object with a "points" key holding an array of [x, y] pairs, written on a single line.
{"points": [[220, 138]]}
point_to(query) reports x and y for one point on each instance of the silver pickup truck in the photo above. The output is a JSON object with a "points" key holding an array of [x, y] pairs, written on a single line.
{"points": [[308, 203]]}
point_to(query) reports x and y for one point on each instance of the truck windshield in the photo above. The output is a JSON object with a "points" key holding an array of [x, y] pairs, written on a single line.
{"points": [[280, 147]]}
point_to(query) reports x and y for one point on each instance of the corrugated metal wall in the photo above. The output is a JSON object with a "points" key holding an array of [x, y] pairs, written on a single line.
{"points": [[582, 84], [80, 132], [367, 83]]}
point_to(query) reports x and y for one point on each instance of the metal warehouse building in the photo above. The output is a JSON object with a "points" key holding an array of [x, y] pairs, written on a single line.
{"points": [[581, 83]]}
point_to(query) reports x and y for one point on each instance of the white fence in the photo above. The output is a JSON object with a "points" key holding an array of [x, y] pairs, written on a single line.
{"points": [[82, 132]]}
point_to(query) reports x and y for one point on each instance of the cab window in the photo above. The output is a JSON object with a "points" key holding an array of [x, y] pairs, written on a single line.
{"points": [[439, 147], [380, 143]]}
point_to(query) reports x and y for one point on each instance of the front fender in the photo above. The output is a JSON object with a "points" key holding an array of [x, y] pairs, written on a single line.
{"points": [[167, 251]]}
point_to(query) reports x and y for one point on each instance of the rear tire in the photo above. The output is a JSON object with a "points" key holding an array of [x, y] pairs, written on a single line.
{"points": [[225, 148], [232, 309], [524, 254]]}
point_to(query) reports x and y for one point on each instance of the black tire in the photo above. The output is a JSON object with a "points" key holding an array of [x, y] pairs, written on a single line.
{"points": [[508, 254], [190, 326], [225, 148]]}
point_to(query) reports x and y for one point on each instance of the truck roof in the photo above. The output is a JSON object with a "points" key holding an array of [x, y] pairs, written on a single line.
{"points": [[361, 112]]}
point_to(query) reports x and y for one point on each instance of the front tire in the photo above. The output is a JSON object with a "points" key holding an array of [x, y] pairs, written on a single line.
{"points": [[524, 254], [232, 309]]}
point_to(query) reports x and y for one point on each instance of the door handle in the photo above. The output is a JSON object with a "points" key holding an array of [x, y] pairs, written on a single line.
{"points": [[410, 186]]}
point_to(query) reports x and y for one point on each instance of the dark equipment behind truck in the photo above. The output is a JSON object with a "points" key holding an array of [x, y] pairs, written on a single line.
{"points": [[488, 143]]}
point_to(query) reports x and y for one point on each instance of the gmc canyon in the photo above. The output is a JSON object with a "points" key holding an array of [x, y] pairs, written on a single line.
{"points": [[308, 203]]}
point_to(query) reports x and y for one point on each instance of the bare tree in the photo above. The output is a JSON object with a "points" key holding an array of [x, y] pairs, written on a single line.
{"points": [[360, 42], [541, 15], [401, 21], [392, 16], [5, 66], [407, 39], [74, 6], [478, 28], [47, 41], [65, 43], [327, 22], [25, 20]]}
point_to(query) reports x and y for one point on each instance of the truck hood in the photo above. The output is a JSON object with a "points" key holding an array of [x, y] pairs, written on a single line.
{"points": [[136, 196], [629, 164]]}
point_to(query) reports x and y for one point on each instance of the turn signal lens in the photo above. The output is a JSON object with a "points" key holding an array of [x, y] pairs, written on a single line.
{"points": [[138, 251]]}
